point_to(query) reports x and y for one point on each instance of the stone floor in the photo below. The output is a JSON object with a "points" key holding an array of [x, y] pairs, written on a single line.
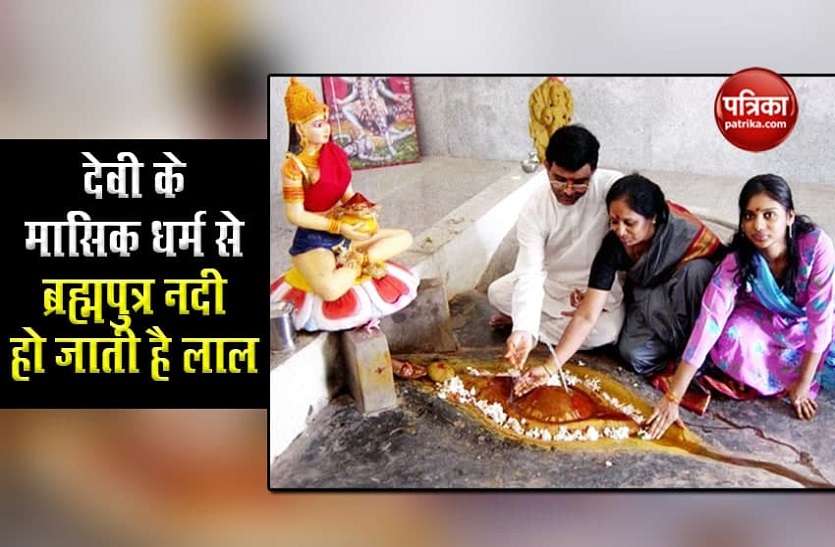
{"points": [[426, 443]]}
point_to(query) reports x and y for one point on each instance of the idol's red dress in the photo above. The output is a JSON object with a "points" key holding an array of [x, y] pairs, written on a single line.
{"points": [[369, 298]]}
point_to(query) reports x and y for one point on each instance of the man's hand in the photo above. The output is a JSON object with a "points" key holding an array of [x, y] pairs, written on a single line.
{"points": [[576, 297], [519, 345]]}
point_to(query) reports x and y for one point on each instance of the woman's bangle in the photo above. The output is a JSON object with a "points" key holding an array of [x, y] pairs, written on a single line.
{"points": [[334, 226], [293, 194], [672, 398]]}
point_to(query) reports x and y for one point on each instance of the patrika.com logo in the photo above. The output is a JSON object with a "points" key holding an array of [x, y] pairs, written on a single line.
{"points": [[756, 109]]}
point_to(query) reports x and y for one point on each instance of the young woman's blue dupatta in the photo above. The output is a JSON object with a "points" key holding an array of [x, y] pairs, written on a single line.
{"points": [[766, 290]]}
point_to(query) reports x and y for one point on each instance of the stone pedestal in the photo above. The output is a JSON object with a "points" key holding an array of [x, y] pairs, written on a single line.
{"points": [[370, 375], [424, 325]]}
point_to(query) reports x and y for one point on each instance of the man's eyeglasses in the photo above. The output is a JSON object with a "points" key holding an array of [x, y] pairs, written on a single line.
{"points": [[562, 183]]}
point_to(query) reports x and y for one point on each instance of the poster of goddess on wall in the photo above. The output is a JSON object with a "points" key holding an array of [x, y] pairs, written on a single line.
{"points": [[373, 119]]}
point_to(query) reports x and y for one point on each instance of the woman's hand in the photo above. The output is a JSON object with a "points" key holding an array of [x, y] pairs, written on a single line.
{"points": [[803, 404], [665, 412], [353, 232], [663, 416], [533, 378]]}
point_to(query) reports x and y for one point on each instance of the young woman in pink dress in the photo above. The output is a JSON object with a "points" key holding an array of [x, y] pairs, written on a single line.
{"points": [[768, 314]]}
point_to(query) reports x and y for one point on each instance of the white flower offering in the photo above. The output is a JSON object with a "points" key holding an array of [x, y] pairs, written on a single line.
{"points": [[454, 390]]}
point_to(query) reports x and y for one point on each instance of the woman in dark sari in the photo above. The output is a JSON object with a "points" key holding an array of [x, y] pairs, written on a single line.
{"points": [[667, 254]]}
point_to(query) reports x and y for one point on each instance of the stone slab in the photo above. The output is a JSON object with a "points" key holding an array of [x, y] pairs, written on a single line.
{"points": [[426, 443], [424, 325], [302, 382]]}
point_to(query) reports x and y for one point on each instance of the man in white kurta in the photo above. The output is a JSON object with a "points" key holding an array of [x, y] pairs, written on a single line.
{"points": [[557, 244]]}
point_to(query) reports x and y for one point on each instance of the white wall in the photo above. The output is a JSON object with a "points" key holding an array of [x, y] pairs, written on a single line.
{"points": [[650, 123]]}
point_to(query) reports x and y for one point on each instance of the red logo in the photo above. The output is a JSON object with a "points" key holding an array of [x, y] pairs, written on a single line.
{"points": [[756, 109]]}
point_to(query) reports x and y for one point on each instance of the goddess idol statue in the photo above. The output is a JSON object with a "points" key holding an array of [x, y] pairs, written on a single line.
{"points": [[341, 275]]}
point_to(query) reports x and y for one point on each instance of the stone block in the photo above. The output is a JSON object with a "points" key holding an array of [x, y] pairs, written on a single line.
{"points": [[302, 382], [370, 376], [424, 325]]}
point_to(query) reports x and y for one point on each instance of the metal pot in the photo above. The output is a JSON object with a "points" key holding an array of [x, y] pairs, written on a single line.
{"points": [[282, 331]]}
